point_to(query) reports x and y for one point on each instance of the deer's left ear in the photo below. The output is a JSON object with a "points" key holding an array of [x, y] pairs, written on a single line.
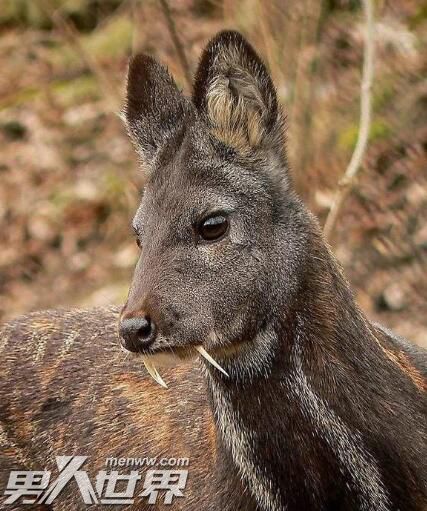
{"points": [[234, 90]]}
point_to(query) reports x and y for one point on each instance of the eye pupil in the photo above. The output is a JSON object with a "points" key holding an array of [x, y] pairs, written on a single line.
{"points": [[213, 228]]}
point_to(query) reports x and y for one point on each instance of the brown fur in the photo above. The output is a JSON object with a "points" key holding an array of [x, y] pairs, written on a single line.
{"points": [[107, 407]]}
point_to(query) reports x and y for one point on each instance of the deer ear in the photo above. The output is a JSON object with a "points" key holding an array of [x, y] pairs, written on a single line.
{"points": [[154, 109], [234, 90]]}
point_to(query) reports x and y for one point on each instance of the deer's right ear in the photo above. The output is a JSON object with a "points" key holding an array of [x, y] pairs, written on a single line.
{"points": [[154, 109]]}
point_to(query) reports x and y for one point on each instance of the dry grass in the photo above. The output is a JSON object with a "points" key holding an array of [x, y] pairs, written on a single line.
{"points": [[69, 185]]}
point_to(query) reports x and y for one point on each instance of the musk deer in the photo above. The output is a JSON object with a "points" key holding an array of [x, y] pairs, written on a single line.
{"points": [[282, 394]]}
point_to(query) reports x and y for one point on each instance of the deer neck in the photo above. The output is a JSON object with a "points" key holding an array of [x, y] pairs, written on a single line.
{"points": [[277, 423]]}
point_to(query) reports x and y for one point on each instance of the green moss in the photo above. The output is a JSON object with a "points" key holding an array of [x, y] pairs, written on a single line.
{"points": [[348, 138], [67, 92], [60, 199], [84, 14], [382, 96], [379, 130], [21, 96], [23, 12], [112, 40], [114, 184], [32, 13], [71, 92], [420, 15]]}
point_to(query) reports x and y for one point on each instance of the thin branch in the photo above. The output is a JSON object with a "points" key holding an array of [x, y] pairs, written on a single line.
{"points": [[178, 45], [347, 182]]}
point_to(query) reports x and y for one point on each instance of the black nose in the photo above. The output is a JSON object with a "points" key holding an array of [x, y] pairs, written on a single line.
{"points": [[137, 334]]}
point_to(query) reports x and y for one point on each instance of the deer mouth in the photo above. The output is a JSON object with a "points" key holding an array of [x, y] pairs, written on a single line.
{"points": [[171, 356]]}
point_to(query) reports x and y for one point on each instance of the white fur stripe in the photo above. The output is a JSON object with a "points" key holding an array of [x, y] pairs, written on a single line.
{"points": [[345, 443], [242, 447]]}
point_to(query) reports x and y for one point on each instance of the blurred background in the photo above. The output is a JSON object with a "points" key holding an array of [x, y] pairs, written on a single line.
{"points": [[69, 179]]}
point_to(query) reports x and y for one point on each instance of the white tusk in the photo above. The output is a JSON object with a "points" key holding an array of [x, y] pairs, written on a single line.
{"points": [[153, 372], [206, 355]]}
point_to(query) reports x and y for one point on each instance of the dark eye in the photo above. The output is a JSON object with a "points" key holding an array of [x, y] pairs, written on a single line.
{"points": [[138, 242], [213, 228]]}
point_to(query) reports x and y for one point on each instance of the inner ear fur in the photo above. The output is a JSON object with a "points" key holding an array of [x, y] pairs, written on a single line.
{"points": [[234, 90]]}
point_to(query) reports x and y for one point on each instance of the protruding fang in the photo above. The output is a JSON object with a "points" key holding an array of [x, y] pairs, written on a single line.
{"points": [[153, 372], [206, 355]]}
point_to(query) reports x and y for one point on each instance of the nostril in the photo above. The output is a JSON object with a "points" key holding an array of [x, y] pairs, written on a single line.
{"points": [[146, 328], [137, 333]]}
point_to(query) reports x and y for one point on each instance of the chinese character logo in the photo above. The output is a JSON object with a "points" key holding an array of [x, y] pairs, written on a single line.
{"points": [[32, 487], [170, 481]]}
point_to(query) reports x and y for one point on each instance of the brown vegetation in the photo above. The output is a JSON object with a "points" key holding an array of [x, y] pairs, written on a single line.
{"points": [[69, 179]]}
